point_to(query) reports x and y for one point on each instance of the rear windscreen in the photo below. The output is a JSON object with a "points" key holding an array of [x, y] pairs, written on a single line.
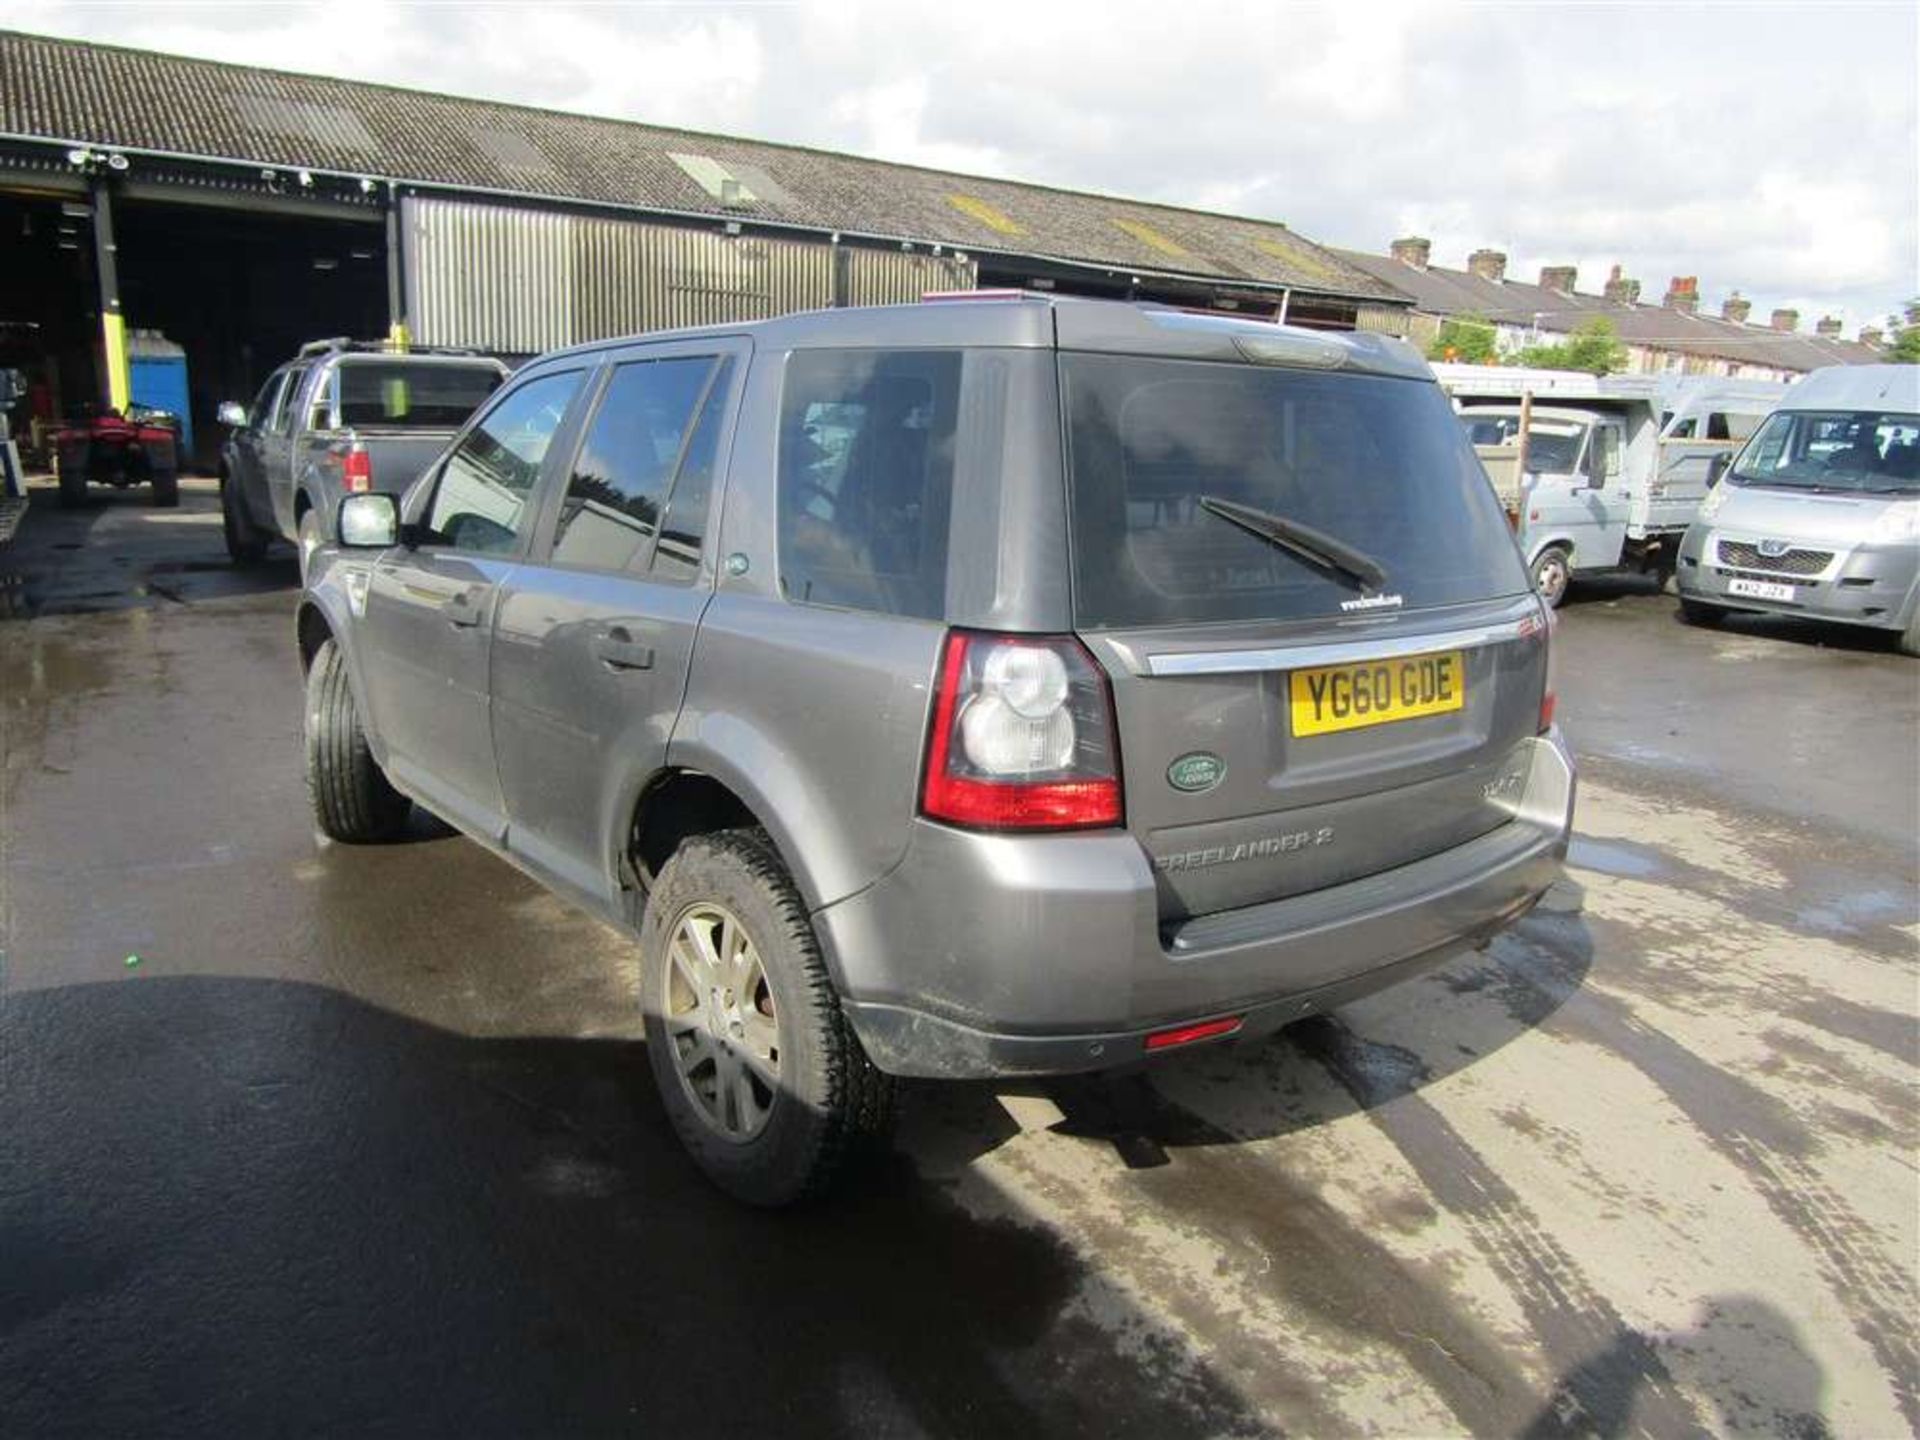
{"points": [[410, 395], [1378, 465]]}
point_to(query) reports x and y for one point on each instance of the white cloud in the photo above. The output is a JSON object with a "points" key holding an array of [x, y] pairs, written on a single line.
{"points": [[1770, 148]]}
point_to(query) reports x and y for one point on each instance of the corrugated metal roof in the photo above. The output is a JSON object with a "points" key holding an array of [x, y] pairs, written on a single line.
{"points": [[105, 95], [1439, 291]]}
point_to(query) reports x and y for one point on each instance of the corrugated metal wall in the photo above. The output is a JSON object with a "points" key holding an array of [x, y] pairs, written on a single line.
{"points": [[521, 281], [896, 277]]}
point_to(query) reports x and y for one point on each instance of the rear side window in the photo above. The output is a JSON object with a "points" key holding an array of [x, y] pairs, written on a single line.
{"points": [[618, 489], [676, 555], [1379, 464], [866, 478], [410, 395]]}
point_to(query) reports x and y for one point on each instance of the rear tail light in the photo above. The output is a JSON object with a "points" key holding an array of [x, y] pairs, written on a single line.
{"points": [[1022, 736], [356, 470], [1544, 629]]}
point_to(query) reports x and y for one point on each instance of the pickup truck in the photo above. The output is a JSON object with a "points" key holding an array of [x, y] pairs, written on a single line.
{"points": [[338, 418]]}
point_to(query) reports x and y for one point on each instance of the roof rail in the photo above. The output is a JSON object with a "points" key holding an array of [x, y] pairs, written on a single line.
{"points": [[342, 345]]}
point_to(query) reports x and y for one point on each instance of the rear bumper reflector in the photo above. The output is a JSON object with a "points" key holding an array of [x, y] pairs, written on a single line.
{"points": [[1190, 1034]]}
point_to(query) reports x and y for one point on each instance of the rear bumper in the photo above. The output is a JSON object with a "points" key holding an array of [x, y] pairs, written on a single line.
{"points": [[1876, 585], [983, 955]]}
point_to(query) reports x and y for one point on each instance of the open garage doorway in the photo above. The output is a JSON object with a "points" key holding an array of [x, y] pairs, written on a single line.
{"points": [[223, 292]]}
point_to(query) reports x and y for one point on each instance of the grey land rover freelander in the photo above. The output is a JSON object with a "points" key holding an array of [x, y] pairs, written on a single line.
{"points": [[965, 689]]}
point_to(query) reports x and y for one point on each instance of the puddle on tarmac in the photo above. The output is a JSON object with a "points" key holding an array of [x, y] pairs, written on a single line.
{"points": [[1866, 908], [1615, 857]]}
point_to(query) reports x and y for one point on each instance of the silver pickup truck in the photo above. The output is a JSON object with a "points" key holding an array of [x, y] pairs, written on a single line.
{"points": [[338, 418]]}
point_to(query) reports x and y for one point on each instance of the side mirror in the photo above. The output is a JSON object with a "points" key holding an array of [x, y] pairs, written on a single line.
{"points": [[1717, 468], [232, 413], [369, 522]]}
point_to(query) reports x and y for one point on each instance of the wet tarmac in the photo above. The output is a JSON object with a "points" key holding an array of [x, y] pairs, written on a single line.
{"points": [[304, 1138]]}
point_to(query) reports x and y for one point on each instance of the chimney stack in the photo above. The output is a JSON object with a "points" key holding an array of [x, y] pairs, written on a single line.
{"points": [[1488, 265], [1828, 327], [1620, 290], [1786, 321], [1736, 308], [1683, 294], [1558, 278], [1872, 335], [1412, 250]]}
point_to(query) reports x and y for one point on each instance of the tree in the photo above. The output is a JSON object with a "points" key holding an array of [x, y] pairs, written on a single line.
{"points": [[1905, 349], [1594, 348], [1467, 339]]}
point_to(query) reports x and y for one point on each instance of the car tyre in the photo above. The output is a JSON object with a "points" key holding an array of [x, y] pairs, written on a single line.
{"points": [[164, 489], [1908, 641], [1552, 574], [769, 1103], [245, 545], [1698, 612], [352, 798]]}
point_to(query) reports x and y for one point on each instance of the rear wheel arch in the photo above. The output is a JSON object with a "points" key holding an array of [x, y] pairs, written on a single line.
{"points": [[674, 806], [313, 631]]}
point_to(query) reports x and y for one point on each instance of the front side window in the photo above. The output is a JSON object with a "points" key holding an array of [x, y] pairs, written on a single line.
{"points": [[866, 478], [1378, 466], [289, 397], [618, 489], [260, 414], [481, 501], [1849, 451]]}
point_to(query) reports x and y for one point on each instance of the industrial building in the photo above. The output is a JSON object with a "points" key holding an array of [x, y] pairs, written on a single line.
{"points": [[182, 225]]}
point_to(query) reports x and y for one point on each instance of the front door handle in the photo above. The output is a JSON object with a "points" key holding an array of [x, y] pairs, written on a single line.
{"points": [[616, 649], [461, 611]]}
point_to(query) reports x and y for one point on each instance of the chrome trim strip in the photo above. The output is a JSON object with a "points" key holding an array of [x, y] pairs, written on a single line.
{"points": [[1351, 652]]}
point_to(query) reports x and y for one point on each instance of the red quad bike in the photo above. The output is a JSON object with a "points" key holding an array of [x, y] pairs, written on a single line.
{"points": [[140, 448]]}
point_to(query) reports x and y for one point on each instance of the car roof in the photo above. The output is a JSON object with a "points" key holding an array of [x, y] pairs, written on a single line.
{"points": [[1028, 321]]}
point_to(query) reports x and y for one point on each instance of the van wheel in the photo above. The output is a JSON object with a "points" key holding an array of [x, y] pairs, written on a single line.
{"points": [[1552, 573], [245, 545], [761, 1075], [352, 798], [1698, 612]]}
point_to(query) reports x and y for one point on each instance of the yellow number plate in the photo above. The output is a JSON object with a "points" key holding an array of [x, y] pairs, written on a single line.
{"points": [[1347, 697]]}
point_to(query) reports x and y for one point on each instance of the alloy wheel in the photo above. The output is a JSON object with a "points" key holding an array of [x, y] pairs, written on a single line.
{"points": [[720, 1019]]}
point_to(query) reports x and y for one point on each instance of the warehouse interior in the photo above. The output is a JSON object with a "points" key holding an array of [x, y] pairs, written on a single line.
{"points": [[235, 286]]}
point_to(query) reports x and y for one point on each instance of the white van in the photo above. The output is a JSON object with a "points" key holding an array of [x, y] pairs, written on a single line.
{"points": [[1819, 514], [1613, 469]]}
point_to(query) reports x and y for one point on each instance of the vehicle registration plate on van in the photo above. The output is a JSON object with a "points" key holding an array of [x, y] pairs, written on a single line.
{"points": [[1760, 589], [1377, 692]]}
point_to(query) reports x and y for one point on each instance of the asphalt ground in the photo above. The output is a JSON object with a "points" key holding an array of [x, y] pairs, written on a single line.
{"points": [[302, 1138]]}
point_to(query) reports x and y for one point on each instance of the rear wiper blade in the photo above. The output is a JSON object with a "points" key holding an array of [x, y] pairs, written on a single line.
{"points": [[1303, 541]]}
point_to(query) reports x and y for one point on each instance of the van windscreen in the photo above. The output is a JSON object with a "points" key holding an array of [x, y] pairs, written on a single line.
{"points": [[1158, 449]]}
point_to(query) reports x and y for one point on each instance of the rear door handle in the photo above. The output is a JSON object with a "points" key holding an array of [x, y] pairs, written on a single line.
{"points": [[616, 649], [461, 611]]}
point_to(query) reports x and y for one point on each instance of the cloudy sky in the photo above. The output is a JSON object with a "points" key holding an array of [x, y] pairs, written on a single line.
{"points": [[1768, 147]]}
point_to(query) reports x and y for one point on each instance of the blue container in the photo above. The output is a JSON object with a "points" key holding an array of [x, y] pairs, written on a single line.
{"points": [[157, 376]]}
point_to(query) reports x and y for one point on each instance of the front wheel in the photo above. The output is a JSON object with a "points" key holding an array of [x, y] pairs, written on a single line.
{"points": [[245, 545], [1909, 638], [351, 796], [1552, 573], [763, 1079], [1698, 612]]}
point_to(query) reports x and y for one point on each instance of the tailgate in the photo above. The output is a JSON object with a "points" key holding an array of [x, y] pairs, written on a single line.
{"points": [[1266, 764], [399, 456]]}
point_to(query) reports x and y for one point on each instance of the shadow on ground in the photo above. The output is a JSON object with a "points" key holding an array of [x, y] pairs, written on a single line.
{"points": [[209, 1225]]}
